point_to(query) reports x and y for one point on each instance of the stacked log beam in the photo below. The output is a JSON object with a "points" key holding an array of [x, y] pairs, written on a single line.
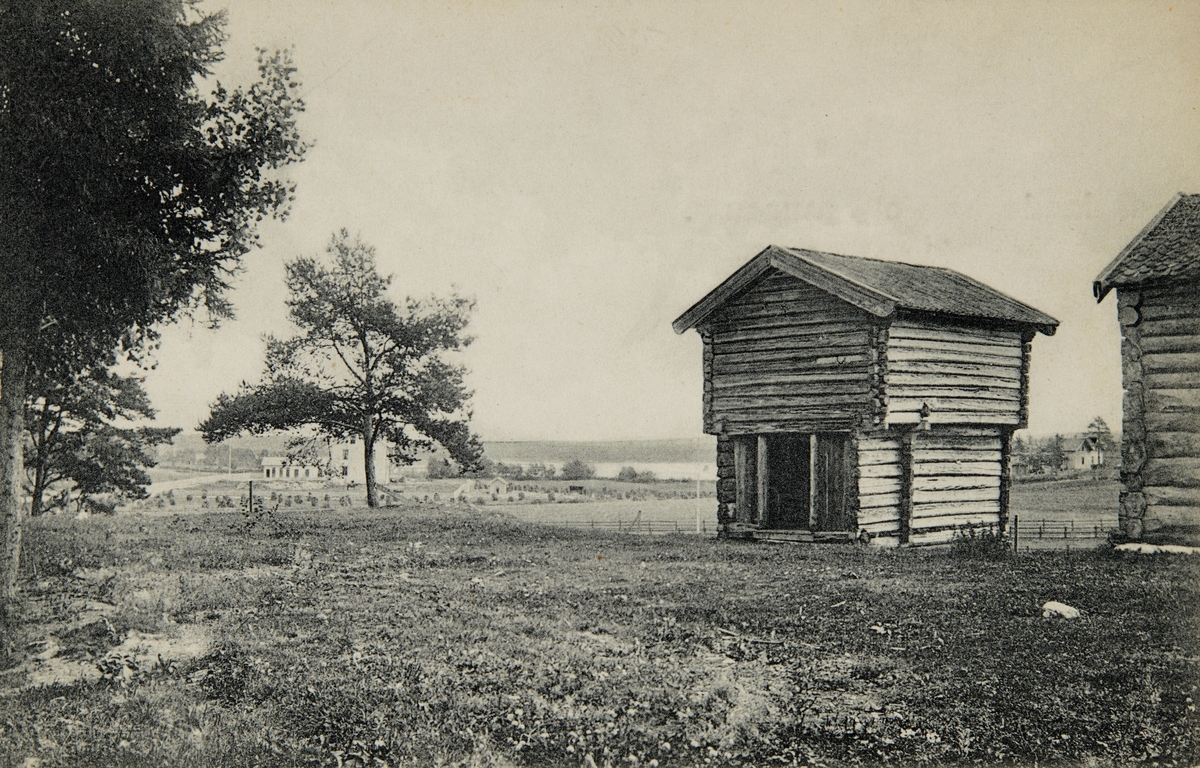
{"points": [[956, 481], [965, 375], [1160, 440], [880, 485]]}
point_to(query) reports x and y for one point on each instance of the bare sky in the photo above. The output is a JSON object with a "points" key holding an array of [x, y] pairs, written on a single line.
{"points": [[588, 171]]}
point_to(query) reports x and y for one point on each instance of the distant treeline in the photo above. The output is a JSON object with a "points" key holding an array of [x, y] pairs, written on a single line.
{"points": [[604, 452]]}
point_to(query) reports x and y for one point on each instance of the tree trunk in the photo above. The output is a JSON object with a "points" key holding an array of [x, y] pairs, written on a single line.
{"points": [[41, 439], [39, 491], [369, 460], [13, 369]]}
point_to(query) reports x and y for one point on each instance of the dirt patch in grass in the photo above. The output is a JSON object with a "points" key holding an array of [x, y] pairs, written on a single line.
{"points": [[447, 635]]}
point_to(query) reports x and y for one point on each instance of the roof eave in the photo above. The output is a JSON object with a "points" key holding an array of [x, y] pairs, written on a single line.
{"points": [[730, 287], [792, 263], [1103, 282]]}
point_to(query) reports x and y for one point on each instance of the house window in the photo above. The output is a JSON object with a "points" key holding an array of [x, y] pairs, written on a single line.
{"points": [[345, 471], [345, 454], [306, 472]]}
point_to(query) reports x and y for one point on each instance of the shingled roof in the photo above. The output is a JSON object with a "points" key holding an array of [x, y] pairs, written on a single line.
{"points": [[878, 287], [1167, 248]]}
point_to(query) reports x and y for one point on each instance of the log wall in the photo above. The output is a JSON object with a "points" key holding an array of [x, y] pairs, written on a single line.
{"points": [[881, 485], [788, 357], [966, 375], [956, 474], [1160, 441], [922, 487]]}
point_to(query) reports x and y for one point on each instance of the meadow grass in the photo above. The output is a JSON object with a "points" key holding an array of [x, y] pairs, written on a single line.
{"points": [[455, 635]]}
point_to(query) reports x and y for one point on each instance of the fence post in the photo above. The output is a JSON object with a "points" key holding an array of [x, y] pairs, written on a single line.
{"points": [[1016, 532]]}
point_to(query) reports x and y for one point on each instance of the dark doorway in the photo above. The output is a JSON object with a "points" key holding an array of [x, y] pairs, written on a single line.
{"points": [[788, 484]]}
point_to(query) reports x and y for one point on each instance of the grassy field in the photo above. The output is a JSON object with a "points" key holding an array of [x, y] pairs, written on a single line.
{"points": [[459, 636]]}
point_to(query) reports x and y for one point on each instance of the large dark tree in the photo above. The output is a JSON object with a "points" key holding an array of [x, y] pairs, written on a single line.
{"points": [[127, 192], [359, 365]]}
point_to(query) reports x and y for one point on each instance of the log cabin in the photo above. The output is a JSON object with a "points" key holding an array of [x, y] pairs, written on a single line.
{"points": [[1157, 280], [854, 398]]}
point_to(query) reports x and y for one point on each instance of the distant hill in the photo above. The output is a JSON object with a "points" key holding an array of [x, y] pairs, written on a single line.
{"points": [[189, 447], [603, 452]]}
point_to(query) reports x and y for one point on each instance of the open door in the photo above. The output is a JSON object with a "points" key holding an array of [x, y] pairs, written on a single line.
{"points": [[830, 486]]}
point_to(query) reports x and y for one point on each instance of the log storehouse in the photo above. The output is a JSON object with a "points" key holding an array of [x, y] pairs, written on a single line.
{"points": [[858, 398], [1157, 279]]}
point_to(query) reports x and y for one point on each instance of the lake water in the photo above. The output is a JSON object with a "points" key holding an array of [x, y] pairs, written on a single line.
{"points": [[661, 470]]}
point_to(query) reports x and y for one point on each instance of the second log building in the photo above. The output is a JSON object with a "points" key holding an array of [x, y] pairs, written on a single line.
{"points": [[858, 398]]}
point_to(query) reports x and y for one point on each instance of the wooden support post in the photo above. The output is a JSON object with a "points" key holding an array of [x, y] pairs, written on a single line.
{"points": [[762, 480], [812, 482], [906, 485], [741, 474]]}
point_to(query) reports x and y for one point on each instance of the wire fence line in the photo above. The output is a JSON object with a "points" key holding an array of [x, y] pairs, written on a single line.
{"points": [[1026, 533], [642, 526]]}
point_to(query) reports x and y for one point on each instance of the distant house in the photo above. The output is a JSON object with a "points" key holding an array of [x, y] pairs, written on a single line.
{"points": [[1157, 280], [1088, 454], [498, 486], [347, 461], [283, 468], [858, 398]]}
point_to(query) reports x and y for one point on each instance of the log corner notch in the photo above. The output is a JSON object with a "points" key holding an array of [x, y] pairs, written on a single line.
{"points": [[1157, 281], [1132, 503]]}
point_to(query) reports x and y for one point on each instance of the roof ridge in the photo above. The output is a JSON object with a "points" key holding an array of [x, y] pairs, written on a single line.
{"points": [[852, 281], [870, 258], [946, 270]]}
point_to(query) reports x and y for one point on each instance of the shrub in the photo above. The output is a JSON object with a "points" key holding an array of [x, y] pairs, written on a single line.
{"points": [[441, 468], [981, 543], [577, 470]]}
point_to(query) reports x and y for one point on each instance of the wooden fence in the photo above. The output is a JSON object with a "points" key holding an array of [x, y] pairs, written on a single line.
{"points": [[639, 525], [1060, 533]]}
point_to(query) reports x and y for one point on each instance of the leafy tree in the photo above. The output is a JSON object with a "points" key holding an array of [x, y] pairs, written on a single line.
{"points": [[1054, 453], [360, 366], [126, 194], [75, 439], [109, 462], [576, 469], [439, 468], [1099, 430], [631, 475]]}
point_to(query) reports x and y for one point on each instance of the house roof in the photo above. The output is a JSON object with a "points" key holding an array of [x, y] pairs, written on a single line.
{"points": [[1167, 247], [878, 287]]}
